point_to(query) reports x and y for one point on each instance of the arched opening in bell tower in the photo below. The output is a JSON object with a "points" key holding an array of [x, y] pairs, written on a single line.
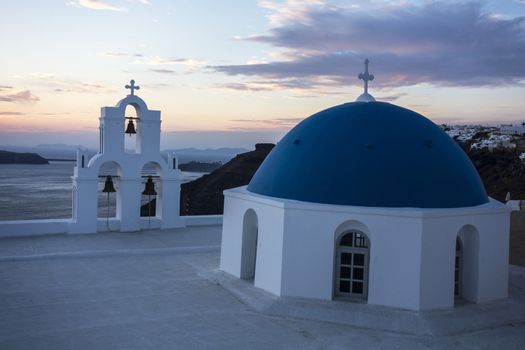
{"points": [[151, 195], [108, 205], [131, 129]]}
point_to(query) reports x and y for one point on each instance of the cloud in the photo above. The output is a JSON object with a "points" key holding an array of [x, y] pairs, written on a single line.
{"points": [[42, 75], [270, 85], [392, 97], [96, 5], [274, 122], [164, 71], [155, 85], [242, 87], [8, 94], [290, 10], [11, 113], [440, 43], [69, 85], [158, 60], [5, 87], [55, 113], [119, 54], [301, 87]]}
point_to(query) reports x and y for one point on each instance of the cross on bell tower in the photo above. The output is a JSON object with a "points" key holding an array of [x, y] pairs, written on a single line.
{"points": [[132, 87], [366, 77]]}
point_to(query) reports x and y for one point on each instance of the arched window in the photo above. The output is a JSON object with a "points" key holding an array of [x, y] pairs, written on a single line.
{"points": [[352, 264]]}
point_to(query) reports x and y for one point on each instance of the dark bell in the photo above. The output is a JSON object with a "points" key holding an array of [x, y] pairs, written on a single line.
{"points": [[131, 128], [149, 190], [108, 185]]}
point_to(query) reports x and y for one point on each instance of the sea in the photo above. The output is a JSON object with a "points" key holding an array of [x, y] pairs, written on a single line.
{"points": [[43, 191]]}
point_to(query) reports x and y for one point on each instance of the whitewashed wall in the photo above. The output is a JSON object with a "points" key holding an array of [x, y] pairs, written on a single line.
{"points": [[412, 251], [270, 217]]}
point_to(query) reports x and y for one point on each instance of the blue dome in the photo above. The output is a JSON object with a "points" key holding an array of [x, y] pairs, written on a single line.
{"points": [[370, 154]]}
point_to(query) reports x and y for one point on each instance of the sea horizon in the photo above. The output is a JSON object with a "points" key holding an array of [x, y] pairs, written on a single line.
{"points": [[43, 191]]}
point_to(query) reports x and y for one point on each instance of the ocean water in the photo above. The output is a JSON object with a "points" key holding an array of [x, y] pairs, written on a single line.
{"points": [[44, 191]]}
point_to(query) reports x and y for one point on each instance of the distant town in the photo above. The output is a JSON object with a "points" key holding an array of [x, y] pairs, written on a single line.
{"points": [[477, 137]]}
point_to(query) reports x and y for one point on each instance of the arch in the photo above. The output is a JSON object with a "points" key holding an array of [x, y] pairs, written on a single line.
{"points": [[468, 236], [158, 166], [108, 204], [351, 260], [135, 101], [98, 161], [136, 107], [131, 140], [151, 207], [351, 225], [250, 231]]}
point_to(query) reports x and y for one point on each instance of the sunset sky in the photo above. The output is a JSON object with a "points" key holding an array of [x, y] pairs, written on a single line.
{"points": [[236, 72]]}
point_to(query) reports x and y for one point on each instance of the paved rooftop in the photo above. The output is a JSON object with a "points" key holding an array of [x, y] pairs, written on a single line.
{"points": [[162, 290]]}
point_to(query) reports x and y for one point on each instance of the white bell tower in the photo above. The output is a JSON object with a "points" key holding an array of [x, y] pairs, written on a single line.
{"points": [[130, 172]]}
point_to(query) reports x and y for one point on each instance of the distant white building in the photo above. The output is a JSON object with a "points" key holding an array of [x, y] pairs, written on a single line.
{"points": [[511, 129], [368, 201], [494, 141], [129, 181]]}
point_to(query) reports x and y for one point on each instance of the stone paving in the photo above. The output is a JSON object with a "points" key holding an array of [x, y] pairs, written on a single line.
{"points": [[159, 290]]}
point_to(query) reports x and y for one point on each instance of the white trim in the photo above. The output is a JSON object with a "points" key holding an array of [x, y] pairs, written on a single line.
{"points": [[492, 207]]}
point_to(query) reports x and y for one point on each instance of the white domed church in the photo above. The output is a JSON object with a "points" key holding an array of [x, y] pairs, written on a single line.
{"points": [[368, 201]]}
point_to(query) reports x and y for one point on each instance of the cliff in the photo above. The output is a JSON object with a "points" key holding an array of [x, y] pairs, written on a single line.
{"points": [[501, 171], [200, 167], [21, 158], [204, 195]]}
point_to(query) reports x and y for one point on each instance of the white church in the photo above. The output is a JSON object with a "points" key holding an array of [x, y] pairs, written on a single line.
{"points": [[368, 202]]}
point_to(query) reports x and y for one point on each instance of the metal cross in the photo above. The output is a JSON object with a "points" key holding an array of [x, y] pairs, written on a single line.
{"points": [[365, 76], [132, 87]]}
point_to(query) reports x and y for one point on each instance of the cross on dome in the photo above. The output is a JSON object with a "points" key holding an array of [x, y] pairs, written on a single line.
{"points": [[366, 77], [132, 87]]}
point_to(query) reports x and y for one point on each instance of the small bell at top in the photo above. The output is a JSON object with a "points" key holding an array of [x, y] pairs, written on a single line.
{"points": [[149, 190], [131, 128], [108, 185]]}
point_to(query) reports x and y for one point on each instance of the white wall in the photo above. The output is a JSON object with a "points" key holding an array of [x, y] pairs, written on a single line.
{"points": [[494, 231], [20, 228], [412, 250], [309, 260], [395, 261], [270, 219], [485, 238], [437, 262], [268, 272]]}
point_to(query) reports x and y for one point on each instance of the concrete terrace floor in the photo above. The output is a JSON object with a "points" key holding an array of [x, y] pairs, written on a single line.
{"points": [[162, 290]]}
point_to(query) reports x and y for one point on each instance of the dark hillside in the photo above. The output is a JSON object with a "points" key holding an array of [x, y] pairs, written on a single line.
{"points": [[501, 171], [7, 157], [204, 195]]}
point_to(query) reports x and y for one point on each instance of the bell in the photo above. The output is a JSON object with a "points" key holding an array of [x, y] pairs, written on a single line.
{"points": [[131, 128], [149, 190], [108, 185]]}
